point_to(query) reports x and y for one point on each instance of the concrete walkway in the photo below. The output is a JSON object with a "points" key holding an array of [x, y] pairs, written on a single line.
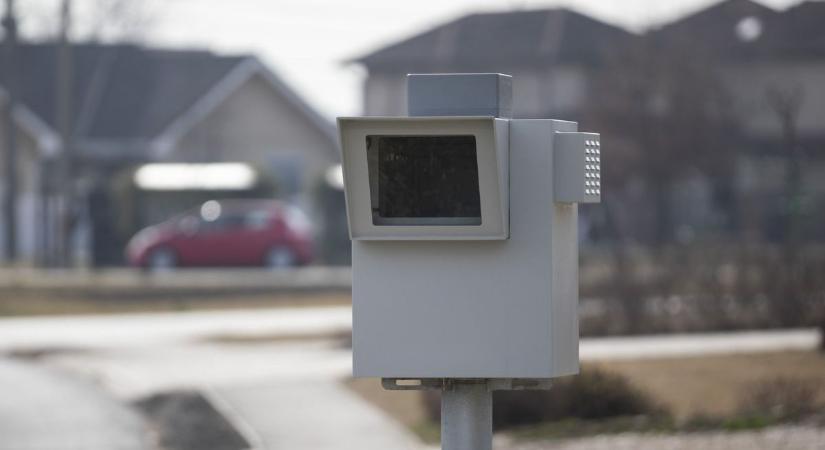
{"points": [[280, 395], [130, 330], [317, 414], [697, 344], [44, 410]]}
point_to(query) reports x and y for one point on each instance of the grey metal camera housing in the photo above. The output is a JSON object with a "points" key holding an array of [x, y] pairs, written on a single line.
{"points": [[482, 289], [490, 139]]}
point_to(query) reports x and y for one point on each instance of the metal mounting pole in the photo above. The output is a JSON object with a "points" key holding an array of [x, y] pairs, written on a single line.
{"points": [[466, 415]]}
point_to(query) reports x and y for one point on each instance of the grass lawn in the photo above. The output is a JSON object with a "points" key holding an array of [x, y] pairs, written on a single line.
{"points": [[712, 385], [688, 387]]}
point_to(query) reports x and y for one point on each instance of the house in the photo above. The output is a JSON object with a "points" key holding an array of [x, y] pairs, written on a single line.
{"points": [[558, 56], [132, 105], [772, 64], [550, 53]]}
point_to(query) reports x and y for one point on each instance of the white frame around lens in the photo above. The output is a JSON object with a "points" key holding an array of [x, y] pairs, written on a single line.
{"points": [[492, 151]]}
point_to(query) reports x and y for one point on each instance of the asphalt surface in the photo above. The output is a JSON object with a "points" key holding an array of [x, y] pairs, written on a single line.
{"points": [[41, 409]]}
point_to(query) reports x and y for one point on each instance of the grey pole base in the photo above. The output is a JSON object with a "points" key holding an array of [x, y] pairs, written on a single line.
{"points": [[466, 416]]}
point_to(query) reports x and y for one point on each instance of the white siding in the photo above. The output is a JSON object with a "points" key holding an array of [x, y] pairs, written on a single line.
{"points": [[28, 220], [257, 125]]}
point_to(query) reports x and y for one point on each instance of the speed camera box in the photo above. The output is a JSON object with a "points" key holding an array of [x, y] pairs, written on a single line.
{"points": [[464, 261]]}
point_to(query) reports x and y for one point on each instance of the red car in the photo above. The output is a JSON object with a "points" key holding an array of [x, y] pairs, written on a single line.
{"points": [[226, 233]]}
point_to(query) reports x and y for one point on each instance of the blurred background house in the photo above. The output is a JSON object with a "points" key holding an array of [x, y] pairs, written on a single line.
{"points": [[707, 116], [132, 105]]}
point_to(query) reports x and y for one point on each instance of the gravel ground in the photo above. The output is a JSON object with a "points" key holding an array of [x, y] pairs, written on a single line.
{"points": [[774, 438]]}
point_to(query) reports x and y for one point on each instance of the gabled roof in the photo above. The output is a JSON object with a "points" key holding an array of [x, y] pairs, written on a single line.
{"points": [[480, 41], [119, 91], [722, 30], [138, 97], [798, 31], [718, 28]]}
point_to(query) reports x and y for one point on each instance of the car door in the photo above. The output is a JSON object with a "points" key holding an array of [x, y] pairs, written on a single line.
{"points": [[224, 243], [259, 235]]}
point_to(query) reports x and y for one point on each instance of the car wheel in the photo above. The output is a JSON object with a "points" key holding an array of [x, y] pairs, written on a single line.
{"points": [[161, 258], [280, 257]]}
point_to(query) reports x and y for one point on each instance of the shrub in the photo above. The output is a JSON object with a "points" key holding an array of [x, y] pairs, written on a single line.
{"points": [[594, 394]]}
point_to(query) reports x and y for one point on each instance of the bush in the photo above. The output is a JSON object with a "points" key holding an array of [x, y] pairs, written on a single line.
{"points": [[594, 394]]}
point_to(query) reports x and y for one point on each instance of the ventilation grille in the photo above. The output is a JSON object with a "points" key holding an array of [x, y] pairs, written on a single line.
{"points": [[592, 168]]}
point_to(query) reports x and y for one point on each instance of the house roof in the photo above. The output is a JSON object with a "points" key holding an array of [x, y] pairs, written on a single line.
{"points": [[719, 28], [479, 41], [135, 95], [798, 32], [748, 30], [119, 91]]}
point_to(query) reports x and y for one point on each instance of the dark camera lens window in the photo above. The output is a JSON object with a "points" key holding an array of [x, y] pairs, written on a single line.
{"points": [[424, 180]]}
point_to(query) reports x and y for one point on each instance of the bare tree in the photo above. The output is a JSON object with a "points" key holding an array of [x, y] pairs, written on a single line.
{"points": [[785, 102], [119, 20], [673, 112], [99, 20], [670, 111]]}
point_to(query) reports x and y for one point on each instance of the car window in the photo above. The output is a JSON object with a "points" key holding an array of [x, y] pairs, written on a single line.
{"points": [[223, 222], [257, 220]]}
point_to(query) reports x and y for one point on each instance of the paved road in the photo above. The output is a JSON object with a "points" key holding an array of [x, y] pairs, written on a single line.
{"points": [[131, 330], [41, 409]]}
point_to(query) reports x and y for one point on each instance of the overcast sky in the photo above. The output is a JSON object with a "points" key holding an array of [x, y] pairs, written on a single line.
{"points": [[307, 41]]}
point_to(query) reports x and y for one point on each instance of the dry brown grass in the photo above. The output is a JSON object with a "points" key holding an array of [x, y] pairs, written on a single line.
{"points": [[688, 387], [715, 385]]}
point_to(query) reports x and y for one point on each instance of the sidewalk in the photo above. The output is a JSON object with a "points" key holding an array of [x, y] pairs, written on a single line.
{"points": [[317, 414], [41, 409], [134, 330]]}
